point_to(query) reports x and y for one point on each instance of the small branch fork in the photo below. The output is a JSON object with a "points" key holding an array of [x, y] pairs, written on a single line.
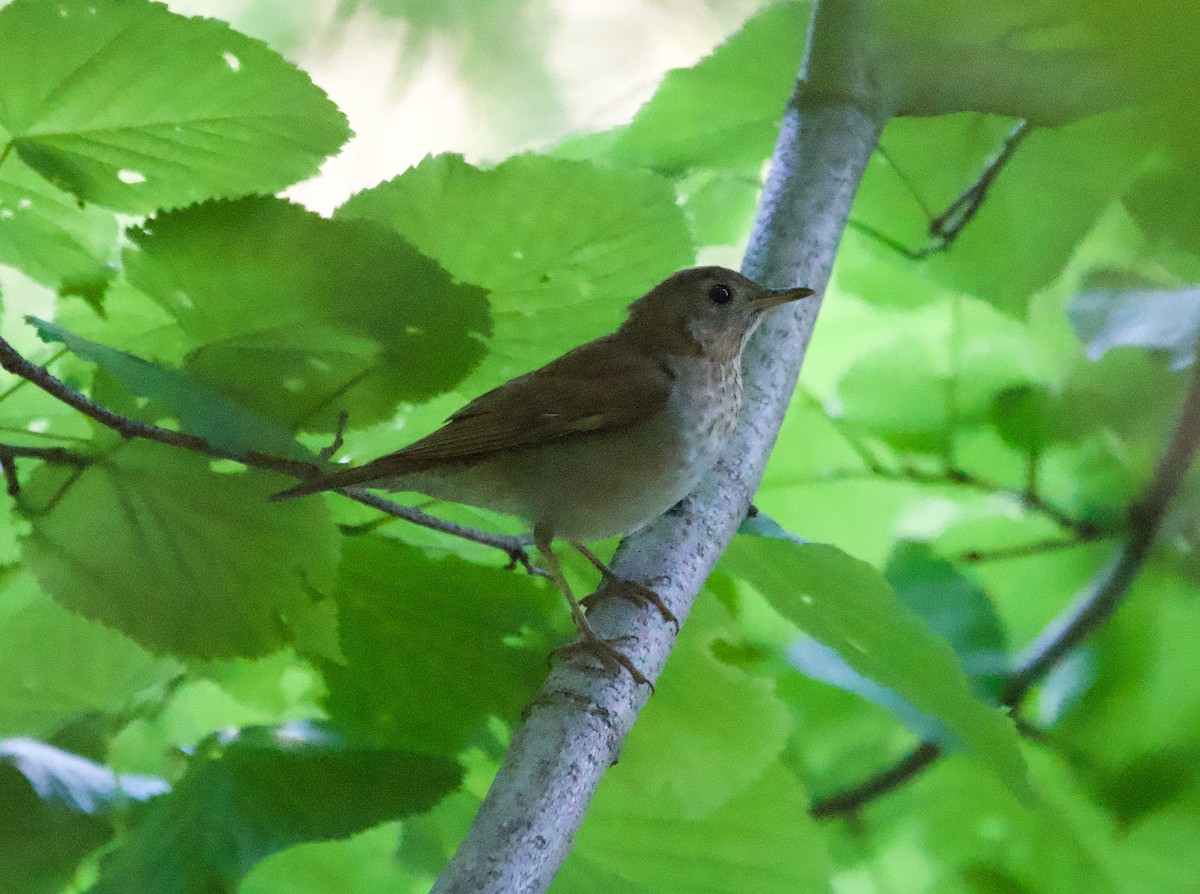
{"points": [[946, 227], [1091, 608], [15, 363], [59, 456]]}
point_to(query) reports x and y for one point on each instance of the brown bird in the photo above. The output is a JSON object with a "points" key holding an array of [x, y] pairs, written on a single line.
{"points": [[602, 440]]}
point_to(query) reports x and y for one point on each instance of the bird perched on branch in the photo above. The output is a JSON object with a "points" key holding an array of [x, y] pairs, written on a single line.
{"points": [[601, 440]]}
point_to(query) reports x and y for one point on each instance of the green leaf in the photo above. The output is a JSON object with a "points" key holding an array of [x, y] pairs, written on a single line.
{"points": [[962, 820], [763, 836], [42, 647], [720, 205], [1047, 86], [188, 561], [299, 317], [725, 111], [1160, 319], [847, 605], [94, 113], [200, 409], [428, 646], [1093, 482], [58, 807], [563, 246], [920, 388], [256, 791], [1156, 855], [956, 608], [1049, 63], [1142, 666], [900, 394], [1163, 202], [711, 729], [366, 863], [49, 237], [1025, 417]]}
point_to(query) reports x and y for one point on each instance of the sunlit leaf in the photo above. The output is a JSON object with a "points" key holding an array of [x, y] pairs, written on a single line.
{"points": [[427, 645], [563, 246], [848, 606], [764, 833], [725, 111], [187, 561], [1014, 245], [711, 729], [46, 234], [255, 791], [298, 317], [93, 112], [42, 647], [200, 409]]}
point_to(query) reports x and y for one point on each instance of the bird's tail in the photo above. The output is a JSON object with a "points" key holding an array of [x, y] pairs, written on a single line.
{"points": [[343, 478]]}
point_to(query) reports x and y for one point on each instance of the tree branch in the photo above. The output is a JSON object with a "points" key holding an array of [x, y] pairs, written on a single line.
{"points": [[1094, 605], [573, 729], [15, 363]]}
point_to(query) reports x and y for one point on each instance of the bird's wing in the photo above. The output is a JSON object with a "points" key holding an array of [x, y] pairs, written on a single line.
{"points": [[599, 387], [591, 390]]}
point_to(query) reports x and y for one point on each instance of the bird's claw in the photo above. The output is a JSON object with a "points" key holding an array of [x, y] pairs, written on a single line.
{"points": [[634, 592], [611, 657]]}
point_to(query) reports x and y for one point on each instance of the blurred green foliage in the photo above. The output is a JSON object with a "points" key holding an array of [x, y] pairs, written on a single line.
{"points": [[312, 700]]}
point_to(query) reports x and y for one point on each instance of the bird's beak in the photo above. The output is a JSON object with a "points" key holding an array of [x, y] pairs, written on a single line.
{"points": [[778, 297]]}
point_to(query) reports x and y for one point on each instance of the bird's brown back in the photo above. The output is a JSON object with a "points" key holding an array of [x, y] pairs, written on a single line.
{"points": [[597, 388]]}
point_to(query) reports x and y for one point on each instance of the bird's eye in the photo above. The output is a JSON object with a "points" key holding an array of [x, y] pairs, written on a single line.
{"points": [[720, 294]]}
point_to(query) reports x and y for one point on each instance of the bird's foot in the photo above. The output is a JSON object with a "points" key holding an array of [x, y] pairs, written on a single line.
{"points": [[609, 655], [634, 592]]}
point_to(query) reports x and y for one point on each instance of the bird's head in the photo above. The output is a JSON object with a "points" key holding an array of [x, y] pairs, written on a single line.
{"points": [[704, 311]]}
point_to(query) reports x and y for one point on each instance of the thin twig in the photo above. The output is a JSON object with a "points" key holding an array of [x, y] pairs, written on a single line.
{"points": [[11, 485], [1024, 550], [1098, 601], [945, 228], [54, 455], [330, 451], [58, 456], [851, 800], [128, 428], [948, 226], [513, 546], [21, 383], [1093, 606], [1083, 530], [948, 474]]}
